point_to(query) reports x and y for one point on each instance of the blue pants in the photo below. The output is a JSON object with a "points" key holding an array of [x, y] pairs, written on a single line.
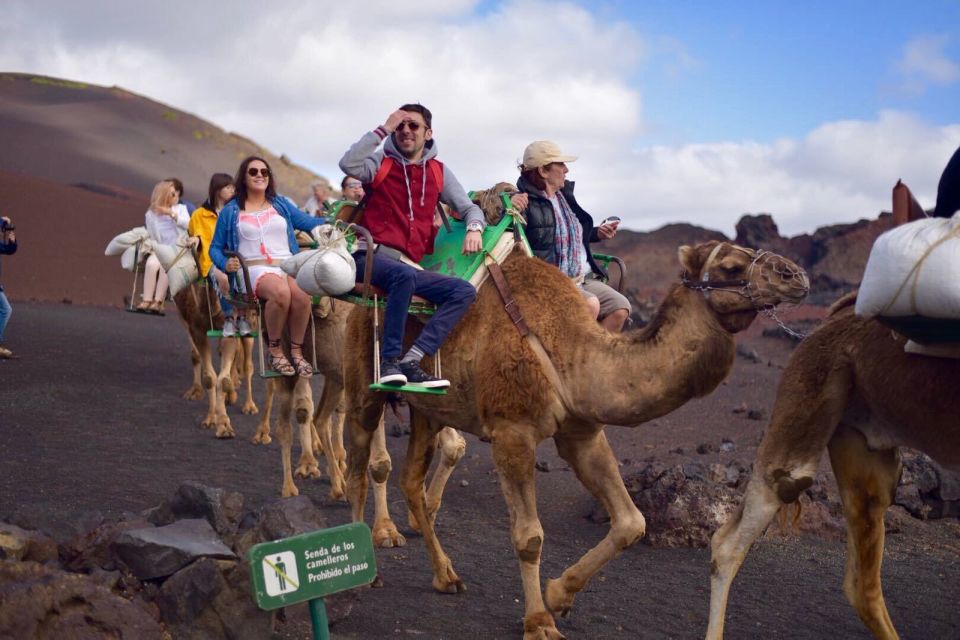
{"points": [[452, 296], [5, 311], [224, 301]]}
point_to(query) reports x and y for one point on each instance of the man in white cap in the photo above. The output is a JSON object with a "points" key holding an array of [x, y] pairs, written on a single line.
{"points": [[560, 230]]}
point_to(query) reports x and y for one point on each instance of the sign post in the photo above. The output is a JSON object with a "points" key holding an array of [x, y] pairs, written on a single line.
{"points": [[310, 566]]}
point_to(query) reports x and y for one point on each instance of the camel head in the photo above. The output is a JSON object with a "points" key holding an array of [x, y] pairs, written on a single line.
{"points": [[738, 282]]}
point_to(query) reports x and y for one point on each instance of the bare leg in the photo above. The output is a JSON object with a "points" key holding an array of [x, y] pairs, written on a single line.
{"points": [[151, 272], [419, 453], [596, 467], [868, 483], [613, 322]]}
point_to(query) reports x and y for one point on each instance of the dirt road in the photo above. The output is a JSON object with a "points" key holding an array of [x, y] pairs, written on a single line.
{"points": [[92, 421]]}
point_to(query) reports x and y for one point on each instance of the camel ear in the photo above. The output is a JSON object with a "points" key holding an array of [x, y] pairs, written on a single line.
{"points": [[689, 259]]}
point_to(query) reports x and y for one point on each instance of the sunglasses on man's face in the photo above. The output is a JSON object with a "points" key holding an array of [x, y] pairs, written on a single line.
{"points": [[254, 171], [409, 124]]}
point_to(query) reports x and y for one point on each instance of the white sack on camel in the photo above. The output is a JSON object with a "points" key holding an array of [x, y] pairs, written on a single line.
{"points": [[327, 271], [913, 271], [179, 264]]}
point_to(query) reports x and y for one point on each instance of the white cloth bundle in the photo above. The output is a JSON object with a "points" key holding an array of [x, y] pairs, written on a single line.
{"points": [[914, 270], [126, 240], [179, 264], [326, 271]]}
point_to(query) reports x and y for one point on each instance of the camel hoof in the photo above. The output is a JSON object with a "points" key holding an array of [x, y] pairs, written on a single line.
{"points": [[289, 490], [193, 393], [249, 409], [307, 471], [226, 431], [449, 586], [259, 438], [209, 422], [558, 599], [386, 536], [540, 626]]}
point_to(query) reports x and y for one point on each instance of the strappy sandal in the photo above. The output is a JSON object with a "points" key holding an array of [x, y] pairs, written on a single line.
{"points": [[303, 367], [157, 307], [278, 361], [144, 307]]}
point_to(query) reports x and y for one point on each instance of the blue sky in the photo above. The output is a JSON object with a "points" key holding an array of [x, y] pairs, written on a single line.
{"points": [[679, 111]]}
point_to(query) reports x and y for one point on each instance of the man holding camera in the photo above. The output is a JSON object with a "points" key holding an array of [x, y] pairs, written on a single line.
{"points": [[8, 245]]}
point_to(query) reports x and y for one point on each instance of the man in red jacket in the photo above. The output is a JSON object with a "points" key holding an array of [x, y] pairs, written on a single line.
{"points": [[404, 183]]}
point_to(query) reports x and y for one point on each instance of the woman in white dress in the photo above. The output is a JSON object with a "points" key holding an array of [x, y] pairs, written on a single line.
{"points": [[166, 221], [259, 225]]}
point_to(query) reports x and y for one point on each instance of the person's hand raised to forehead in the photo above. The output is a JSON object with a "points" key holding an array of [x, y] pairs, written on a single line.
{"points": [[395, 118]]}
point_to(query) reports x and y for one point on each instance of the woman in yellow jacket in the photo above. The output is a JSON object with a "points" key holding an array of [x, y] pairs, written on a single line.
{"points": [[202, 223]]}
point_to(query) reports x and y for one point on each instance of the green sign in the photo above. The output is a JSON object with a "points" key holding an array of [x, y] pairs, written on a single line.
{"points": [[312, 565]]}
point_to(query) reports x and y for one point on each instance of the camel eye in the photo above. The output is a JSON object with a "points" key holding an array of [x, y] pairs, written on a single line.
{"points": [[729, 266]]}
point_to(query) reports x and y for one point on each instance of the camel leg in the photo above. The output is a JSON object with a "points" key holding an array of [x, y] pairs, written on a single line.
{"points": [[208, 378], [330, 400], [362, 421], [262, 435], [868, 484], [307, 466], [285, 437], [423, 442], [195, 392], [514, 455], [224, 388], [385, 532], [452, 447], [246, 368], [593, 461]]}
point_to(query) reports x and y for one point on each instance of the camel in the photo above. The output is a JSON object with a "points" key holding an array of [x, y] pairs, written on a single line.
{"points": [[518, 391], [326, 432], [850, 388], [197, 309]]}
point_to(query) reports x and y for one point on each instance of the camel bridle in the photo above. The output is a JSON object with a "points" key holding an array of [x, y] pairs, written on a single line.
{"points": [[756, 285]]}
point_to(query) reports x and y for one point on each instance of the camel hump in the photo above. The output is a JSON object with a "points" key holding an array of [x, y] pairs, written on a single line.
{"points": [[847, 300]]}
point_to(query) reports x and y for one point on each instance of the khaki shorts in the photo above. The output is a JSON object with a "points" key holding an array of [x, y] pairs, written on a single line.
{"points": [[610, 299]]}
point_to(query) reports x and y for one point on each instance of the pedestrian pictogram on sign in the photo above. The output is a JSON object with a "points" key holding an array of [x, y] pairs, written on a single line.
{"points": [[280, 573]]}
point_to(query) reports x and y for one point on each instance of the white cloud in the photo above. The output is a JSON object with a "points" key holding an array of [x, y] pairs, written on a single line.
{"points": [[307, 79], [924, 63]]}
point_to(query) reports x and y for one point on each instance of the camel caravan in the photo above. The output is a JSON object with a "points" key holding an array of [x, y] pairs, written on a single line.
{"points": [[521, 366]]}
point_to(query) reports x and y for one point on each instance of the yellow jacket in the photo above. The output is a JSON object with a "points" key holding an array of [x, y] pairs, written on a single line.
{"points": [[202, 223]]}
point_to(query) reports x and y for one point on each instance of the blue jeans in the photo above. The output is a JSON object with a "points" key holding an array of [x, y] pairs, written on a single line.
{"points": [[5, 311], [224, 301], [452, 296]]}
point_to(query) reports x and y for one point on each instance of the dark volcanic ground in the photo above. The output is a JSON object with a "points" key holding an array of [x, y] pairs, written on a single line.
{"points": [[92, 420]]}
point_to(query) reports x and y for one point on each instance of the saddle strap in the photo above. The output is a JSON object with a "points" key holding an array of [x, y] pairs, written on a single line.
{"points": [[509, 304]]}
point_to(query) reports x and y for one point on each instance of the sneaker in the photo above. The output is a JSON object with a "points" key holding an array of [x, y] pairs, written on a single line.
{"points": [[243, 327], [390, 373], [229, 328], [420, 378]]}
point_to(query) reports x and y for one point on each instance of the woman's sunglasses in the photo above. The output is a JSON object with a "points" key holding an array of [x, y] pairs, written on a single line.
{"points": [[254, 171]]}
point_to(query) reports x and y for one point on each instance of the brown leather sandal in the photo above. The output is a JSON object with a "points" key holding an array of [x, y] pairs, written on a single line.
{"points": [[278, 361], [296, 355]]}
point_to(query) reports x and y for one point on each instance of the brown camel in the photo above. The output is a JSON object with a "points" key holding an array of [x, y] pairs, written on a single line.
{"points": [[197, 308], [850, 388], [517, 392], [326, 433]]}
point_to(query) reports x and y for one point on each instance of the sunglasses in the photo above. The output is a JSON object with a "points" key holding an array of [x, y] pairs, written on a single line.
{"points": [[254, 171], [409, 124], [352, 185]]}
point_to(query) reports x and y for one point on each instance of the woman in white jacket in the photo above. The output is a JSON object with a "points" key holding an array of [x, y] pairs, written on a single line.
{"points": [[166, 221]]}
